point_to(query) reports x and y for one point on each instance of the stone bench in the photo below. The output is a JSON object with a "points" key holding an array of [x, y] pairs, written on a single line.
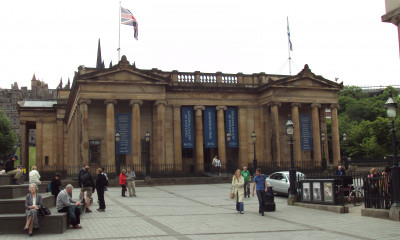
{"points": [[56, 223], [7, 179], [16, 191], [17, 205]]}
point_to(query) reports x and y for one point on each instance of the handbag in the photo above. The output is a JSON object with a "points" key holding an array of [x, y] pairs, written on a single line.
{"points": [[43, 211], [232, 194]]}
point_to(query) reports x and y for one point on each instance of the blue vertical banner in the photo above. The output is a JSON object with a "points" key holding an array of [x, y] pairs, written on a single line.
{"points": [[231, 125], [306, 132], [123, 127], [210, 135], [187, 127]]}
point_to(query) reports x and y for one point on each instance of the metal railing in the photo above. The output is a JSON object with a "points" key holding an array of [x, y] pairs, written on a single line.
{"points": [[378, 192]]}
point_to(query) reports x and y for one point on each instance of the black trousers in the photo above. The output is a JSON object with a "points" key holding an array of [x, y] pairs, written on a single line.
{"points": [[123, 189], [261, 200], [100, 196], [246, 187], [74, 217]]}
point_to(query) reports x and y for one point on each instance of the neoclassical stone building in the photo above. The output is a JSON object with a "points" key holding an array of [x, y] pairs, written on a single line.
{"points": [[187, 115]]}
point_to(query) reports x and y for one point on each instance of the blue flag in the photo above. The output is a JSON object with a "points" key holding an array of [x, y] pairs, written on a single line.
{"points": [[288, 34]]}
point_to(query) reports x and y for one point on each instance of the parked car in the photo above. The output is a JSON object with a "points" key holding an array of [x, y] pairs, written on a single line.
{"points": [[279, 181]]}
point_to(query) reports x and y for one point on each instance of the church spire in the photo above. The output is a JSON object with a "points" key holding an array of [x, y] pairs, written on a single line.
{"points": [[99, 63]]}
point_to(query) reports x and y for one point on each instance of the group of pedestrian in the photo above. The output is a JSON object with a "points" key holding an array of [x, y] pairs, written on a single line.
{"points": [[127, 178], [241, 188]]}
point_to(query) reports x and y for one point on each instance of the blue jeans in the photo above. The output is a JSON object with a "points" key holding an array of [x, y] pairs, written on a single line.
{"points": [[239, 206]]}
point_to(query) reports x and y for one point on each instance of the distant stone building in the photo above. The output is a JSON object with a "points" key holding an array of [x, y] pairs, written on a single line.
{"points": [[9, 99], [188, 116]]}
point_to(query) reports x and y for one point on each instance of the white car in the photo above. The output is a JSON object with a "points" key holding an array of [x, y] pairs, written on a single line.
{"points": [[279, 181]]}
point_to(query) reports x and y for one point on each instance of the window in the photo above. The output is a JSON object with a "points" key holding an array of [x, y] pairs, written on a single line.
{"points": [[14, 122], [94, 151], [14, 108], [8, 107]]}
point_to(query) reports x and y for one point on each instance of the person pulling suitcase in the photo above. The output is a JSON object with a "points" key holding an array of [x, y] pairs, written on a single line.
{"points": [[260, 185]]}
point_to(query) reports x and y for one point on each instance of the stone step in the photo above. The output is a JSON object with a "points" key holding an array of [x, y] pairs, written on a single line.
{"points": [[56, 223], [17, 205], [7, 180], [16, 191]]}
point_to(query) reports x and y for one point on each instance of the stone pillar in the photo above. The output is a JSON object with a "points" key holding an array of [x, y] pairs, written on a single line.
{"points": [[221, 133], [322, 116], [39, 142], [24, 146], [335, 135], [316, 133], [199, 138], [110, 131], [60, 143], [135, 131], [160, 140], [267, 135], [296, 136], [85, 132], [243, 138], [275, 117], [177, 138]]}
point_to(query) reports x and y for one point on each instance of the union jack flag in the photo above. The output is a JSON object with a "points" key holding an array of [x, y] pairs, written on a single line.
{"points": [[127, 18]]}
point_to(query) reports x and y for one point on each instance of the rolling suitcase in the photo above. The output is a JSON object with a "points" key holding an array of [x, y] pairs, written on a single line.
{"points": [[269, 205]]}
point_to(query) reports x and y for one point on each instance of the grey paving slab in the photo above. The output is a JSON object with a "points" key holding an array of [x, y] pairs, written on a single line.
{"points": [[206, 212]]}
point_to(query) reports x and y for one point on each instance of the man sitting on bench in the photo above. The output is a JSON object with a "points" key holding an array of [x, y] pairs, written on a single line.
{"points": [[10, 169], [66, 204]]}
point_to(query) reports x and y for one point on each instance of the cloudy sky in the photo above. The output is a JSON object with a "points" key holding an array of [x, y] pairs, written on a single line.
{"points": [[336, 38]]}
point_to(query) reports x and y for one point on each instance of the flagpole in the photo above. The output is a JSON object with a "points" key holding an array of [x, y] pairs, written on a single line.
{"points": [[119, 32], [289, 59]]}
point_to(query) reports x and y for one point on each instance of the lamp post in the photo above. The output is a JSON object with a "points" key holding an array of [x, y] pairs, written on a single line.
{"points": [[292, 171], [323, 151], [147, 139], [346, 163], [228, 140], [253, 137], [391, 108], [117, 138]]}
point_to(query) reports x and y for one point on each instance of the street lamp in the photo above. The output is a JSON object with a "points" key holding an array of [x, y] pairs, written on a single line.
{"points": [[346, 163], [323, 151], [147, 139], [292, 171], [253, 137], [391, 107], [228, 140], [117, 138]]}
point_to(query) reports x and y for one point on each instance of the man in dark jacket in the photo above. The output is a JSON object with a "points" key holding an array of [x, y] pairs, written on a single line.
{"points": [[11, 170], [81, 196], [100, 186], [87, 185]]}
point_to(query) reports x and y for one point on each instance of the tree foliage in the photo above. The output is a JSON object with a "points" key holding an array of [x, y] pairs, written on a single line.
{"points": [[362, 116], [8, 137]]}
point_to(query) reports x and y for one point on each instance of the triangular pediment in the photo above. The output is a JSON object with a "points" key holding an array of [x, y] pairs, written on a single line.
{"points": [[123, 72], [306, 78]]}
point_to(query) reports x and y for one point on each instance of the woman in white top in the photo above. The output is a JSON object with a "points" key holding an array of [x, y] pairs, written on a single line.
{"points": [[34, 176]]}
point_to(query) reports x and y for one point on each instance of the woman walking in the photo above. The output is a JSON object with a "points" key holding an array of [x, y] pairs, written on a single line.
{"points": [[32, 204], [238, 190], [122, 182]]}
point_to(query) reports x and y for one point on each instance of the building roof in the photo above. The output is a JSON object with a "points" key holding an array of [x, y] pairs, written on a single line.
{"points": [[36, 104]]}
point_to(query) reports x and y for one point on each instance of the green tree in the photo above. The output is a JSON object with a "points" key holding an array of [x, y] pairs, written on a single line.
{"points": [[8, 137]]}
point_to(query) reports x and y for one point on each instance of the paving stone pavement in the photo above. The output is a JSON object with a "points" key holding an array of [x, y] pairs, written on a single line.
{"points": [[206, 212]]}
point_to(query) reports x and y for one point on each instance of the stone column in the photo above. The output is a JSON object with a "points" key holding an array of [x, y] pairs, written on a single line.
{"points": [[135, 131], [199, 138], [39, 142], [60, 143], [243, 139], [160, 140], [296, 136], [24, 146], [267, 134], [335, 135], [316, 133], [110, 131], [177, 137], [83, 106], [275, 117], [221, 133]]}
